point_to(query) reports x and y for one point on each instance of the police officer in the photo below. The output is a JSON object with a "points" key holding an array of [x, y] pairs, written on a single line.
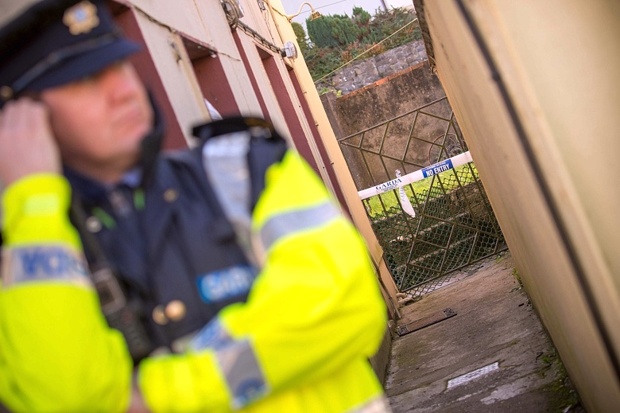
{"points": [[210, 290]]}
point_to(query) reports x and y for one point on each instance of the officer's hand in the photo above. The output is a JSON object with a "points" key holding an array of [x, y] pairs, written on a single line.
{"points": [[27, 144]]}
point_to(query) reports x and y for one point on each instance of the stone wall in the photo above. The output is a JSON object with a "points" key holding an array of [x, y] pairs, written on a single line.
{"points": [[383, 99], [367, 71], [407, 137]]}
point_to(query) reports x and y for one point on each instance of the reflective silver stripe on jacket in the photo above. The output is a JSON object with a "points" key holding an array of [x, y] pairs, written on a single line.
{"points": [[213, 335], [295, 221], [236, 360], [242, 373]]}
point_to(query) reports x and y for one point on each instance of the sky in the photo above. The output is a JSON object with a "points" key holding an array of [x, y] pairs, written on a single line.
{"points": [[338, 6]]}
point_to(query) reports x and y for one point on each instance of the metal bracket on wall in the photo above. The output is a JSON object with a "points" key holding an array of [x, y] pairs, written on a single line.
{"points": [[425, 322]]}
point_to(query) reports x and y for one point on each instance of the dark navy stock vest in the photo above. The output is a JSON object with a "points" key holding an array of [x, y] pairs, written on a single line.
{"points": [[176, 256]]}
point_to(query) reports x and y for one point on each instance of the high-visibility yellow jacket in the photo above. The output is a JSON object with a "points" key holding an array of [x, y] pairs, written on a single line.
{"points": [[299, 344], [56, 351]]}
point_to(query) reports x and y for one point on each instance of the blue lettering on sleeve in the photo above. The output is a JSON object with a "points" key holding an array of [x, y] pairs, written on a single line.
{"points": [[249, 390], [41, 263]]}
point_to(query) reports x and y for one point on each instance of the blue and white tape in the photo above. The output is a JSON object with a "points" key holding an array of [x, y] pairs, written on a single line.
{"points": [[418, 175]]}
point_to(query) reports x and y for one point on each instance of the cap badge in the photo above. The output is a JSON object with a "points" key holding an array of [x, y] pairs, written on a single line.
{"points": [[81, 18]]}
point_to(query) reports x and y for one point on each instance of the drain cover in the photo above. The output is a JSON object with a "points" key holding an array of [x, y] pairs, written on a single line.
{"points": [[425, 322]]}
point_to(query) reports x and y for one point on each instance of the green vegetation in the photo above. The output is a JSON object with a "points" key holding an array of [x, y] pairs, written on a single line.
{"points": [[566, 397], [515, 273], [334, 40]]}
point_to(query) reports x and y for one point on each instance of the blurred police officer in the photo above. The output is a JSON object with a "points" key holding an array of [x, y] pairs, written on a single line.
{"points": [[229, 277]]}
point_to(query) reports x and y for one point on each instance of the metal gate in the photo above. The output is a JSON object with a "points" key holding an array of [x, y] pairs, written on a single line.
{"points": [[431, 217]]}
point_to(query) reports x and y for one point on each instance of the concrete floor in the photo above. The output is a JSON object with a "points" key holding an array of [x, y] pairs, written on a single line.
{"points": [[492, 356]]}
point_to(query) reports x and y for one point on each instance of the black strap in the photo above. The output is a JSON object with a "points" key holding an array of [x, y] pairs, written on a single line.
{"points": [[120, 312]]}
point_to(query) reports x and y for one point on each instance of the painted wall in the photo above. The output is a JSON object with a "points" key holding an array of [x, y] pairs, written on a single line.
{"points": [[536, 91]]}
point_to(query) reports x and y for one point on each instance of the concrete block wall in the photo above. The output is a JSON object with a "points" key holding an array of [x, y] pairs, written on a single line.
{"points": [[364, 72]]}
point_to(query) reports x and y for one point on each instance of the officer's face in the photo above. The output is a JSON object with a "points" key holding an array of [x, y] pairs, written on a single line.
{"points": [[99, 121]]}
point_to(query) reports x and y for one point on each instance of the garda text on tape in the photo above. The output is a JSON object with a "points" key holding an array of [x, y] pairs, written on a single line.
{"points": [[418, 175]]}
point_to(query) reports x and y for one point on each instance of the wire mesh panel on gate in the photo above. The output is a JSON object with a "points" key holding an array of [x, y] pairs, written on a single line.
{"points": [[453, 224]]}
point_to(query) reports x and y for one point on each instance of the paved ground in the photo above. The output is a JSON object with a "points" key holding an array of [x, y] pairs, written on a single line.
{"points": [[492, 356]]}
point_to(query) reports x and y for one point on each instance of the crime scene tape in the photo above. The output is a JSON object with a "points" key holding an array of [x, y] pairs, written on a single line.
{"points": [[434, 169]]}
